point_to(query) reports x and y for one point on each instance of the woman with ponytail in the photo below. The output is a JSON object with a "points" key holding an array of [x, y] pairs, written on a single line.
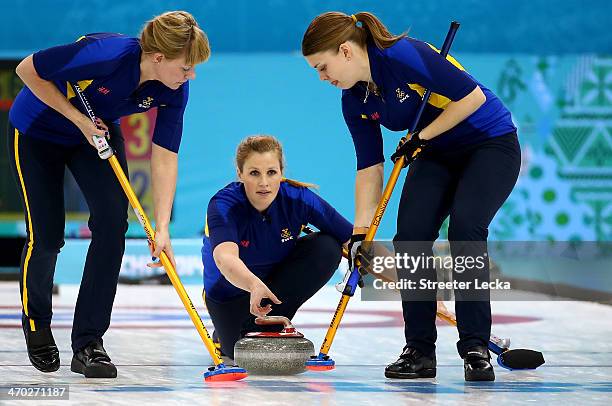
{"points": [[50, 131], [464, 161], [255, 262]]}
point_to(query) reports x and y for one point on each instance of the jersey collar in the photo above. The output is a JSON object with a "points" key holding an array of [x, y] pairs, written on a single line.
{"points": [[253, 212]]}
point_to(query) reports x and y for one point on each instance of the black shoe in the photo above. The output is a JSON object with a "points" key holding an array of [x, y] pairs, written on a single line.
{"points": [[93, 362], [42, 350], [477, 365], [412, 364]]}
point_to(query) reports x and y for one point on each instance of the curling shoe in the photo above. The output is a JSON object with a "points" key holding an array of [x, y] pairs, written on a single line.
{"points": [[412, 364], [42, 351], [93, 362], [477, 365]]}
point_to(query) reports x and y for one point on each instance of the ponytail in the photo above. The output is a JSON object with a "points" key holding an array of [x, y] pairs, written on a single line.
{"points": [[377, 31], [297, 183], [328, 30]]}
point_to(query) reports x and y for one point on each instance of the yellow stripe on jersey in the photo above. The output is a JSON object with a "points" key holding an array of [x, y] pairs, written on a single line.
{"points": [[364, 116], [449, 58], [83, 84], [436, 100]]}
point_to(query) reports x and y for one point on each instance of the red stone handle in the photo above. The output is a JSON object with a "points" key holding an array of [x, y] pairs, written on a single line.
{"points": [[268, 320]]}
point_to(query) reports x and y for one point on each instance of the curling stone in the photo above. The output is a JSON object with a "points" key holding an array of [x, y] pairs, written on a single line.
{"points": [[274, 353]]}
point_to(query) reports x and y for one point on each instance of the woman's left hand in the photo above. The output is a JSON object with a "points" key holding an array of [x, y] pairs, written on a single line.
{"points": [[409, 148], [162, 243]]}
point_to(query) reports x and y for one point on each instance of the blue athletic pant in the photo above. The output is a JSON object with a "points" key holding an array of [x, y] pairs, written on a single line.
{"points": [[468, 185], [39, 168]]}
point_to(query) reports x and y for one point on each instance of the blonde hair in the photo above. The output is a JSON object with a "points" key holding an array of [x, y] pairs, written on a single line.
{"points": [[261, 144], [175, 34], [328, 30]]}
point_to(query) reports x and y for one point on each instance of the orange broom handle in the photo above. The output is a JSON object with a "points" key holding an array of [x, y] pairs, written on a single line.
{"points": [[174, 278]]}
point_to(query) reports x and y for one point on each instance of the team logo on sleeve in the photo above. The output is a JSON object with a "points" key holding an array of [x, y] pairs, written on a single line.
{"points": [[286, 235], [401, 95], [146, 103]]}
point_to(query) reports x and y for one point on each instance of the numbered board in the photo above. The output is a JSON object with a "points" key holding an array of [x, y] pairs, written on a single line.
{"points": [[137, 131]]}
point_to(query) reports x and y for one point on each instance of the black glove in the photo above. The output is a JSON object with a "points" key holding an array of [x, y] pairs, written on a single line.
{"points": [[365, 257], [353, 245], [409, 148]]}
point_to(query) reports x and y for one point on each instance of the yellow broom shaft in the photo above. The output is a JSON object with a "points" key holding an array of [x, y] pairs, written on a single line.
{"points": [[447, 318], [331, 331], [176, 282], [384, 201], [380, 210]]}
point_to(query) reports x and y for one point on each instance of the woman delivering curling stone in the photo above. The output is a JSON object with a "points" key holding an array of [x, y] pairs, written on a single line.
{"points": [[252, 250], [48, 132], [468, 165]]}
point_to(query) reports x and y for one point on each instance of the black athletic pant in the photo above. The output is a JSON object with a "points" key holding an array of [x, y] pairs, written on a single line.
{"points": [[39, 167], [469, 185], [310, 265]]}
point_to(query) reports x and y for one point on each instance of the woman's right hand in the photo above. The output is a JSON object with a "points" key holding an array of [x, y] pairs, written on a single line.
{"points": [[259, 292], [353, 247], [89, 129]]}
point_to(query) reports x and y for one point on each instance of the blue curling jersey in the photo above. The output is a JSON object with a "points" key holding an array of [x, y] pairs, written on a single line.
{"points": [[402, 73], [107, 67], [263, 239]]}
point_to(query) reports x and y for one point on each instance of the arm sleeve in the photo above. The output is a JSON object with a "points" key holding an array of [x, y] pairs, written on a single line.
{"points": [[323, 216], [169, 122], [221, 226], [420, 63], [87, 58], [366, 134]]}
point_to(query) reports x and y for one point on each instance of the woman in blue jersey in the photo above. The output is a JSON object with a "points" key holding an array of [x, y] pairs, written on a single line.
{"points": [[467, 166], [49, 132], [252, 246]]}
